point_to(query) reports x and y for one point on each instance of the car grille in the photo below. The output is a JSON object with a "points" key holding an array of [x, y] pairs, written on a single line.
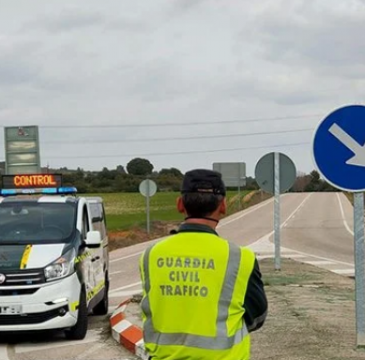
{"points": [[34, 318], [15, 292], [23, 277]]}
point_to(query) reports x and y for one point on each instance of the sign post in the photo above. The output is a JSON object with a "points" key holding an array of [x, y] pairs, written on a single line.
{"points": [[339, 155], [277, 211], [359, 267], [233, 175], [275, 173], [148, 188]]}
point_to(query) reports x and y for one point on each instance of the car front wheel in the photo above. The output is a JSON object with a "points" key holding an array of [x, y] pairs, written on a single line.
{"points": [[79, 330]]}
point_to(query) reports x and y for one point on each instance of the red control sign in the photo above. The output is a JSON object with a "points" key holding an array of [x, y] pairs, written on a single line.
{"points": [[32, 181]]}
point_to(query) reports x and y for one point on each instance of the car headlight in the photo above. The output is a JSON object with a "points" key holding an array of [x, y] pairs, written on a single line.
{"points": [[62, 267]]}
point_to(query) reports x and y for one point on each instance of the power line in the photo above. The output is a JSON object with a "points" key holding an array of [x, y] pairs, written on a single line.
{"points": [[175, 153], [222, 122], [179, 138]]}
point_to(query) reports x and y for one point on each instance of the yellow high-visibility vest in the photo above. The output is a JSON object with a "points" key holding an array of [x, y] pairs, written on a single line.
{"points": [[194, 286]]}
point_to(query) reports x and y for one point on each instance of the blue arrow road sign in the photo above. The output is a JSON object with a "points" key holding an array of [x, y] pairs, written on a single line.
{"points": [[338, 148]]}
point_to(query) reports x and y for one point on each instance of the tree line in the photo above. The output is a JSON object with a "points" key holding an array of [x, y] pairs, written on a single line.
{"points": [[121, 179], [311, 183], [128, 178]]}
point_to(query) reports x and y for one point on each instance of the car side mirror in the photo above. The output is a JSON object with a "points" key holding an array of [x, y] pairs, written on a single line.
{"points": [[93, 239]]}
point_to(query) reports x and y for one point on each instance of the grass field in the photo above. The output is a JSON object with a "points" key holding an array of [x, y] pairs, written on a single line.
{"points": [[126, 210]]}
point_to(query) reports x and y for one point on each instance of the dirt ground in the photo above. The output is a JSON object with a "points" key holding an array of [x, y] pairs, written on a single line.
{"points": [[311, 315], [137, 235]]}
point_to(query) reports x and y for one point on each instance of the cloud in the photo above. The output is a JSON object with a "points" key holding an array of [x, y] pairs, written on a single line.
{"points": [[159, 61], [68, 19], [184, 5], [130, 24], [15, 59], [320, 37]]}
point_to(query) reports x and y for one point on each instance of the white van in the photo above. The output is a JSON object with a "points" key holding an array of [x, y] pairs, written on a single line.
{"points": [[54, 261]]}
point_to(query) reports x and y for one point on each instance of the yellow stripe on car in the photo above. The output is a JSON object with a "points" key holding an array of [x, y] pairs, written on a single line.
{"points": [[95, 290], [25, 257], [74, 305]]}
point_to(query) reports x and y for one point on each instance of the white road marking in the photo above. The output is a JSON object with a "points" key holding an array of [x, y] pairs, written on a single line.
{"points": [[320, 262], [271, 254], [265, 249], [262, 257], [344, 271], [116, 272], [91, 336], [120, 294], [267, 236], [343, 216], [263, 244], [245, 212], [295, 211], [4, 352], [125, 287], [126, 257], [323, 258], [294, 256]]}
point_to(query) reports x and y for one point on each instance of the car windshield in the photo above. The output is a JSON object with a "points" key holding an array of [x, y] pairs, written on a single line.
{"points": [[36, 222]]}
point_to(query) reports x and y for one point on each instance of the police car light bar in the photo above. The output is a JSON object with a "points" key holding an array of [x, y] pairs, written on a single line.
{"points": [[44, 191]]}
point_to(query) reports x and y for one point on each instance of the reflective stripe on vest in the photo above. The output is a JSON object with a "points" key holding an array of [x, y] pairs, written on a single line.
{"points": [[221, 341]]}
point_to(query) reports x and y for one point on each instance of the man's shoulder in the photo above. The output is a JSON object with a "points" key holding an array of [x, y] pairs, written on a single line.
{"points": [[158, 243]]}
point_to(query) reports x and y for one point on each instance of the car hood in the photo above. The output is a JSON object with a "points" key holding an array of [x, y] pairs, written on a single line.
{"points": [[15, 257]]}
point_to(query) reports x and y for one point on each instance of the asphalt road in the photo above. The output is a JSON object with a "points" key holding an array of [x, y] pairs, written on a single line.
{"points": [[314, 227], [323, 227]]}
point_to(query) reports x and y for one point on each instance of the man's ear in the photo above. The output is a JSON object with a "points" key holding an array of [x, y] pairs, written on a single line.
{"points": [[180, 205], [223, 207]]}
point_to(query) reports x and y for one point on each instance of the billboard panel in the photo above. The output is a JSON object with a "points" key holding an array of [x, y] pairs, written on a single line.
{"points": [[22, 153], [233, 173]]}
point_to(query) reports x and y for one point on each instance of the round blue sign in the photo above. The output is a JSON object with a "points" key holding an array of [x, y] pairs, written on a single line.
{"points": [[338, 148]]}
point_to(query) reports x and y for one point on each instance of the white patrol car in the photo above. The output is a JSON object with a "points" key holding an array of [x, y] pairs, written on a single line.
{"points": [[54, 260]]}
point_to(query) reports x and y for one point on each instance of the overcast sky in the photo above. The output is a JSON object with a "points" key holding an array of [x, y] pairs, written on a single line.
{"points": [[124, 62]]}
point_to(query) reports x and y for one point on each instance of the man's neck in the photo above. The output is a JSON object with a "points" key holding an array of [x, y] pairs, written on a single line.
{"points": [[206, 222]]}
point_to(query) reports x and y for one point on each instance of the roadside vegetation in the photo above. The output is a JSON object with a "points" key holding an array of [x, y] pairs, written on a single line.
{"points": [[126, 210], [126, 214]]}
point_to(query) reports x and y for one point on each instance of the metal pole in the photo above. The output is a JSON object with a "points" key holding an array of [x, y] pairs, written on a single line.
{"points": [[239, 196], [359, 267], [277, 210], [148, 206]]}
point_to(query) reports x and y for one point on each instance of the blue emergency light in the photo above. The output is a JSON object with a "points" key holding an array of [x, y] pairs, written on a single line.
{"points": [[44, 191]]}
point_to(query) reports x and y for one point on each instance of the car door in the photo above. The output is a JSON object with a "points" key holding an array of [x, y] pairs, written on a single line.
{"points": [[87, 262], [97, 257]]}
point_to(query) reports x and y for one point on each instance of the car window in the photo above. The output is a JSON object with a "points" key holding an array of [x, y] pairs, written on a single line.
{"points": [[33, 222]]}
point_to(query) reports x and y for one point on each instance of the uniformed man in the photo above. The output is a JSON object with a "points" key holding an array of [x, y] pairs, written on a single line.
{"points": [[202, 295]]}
